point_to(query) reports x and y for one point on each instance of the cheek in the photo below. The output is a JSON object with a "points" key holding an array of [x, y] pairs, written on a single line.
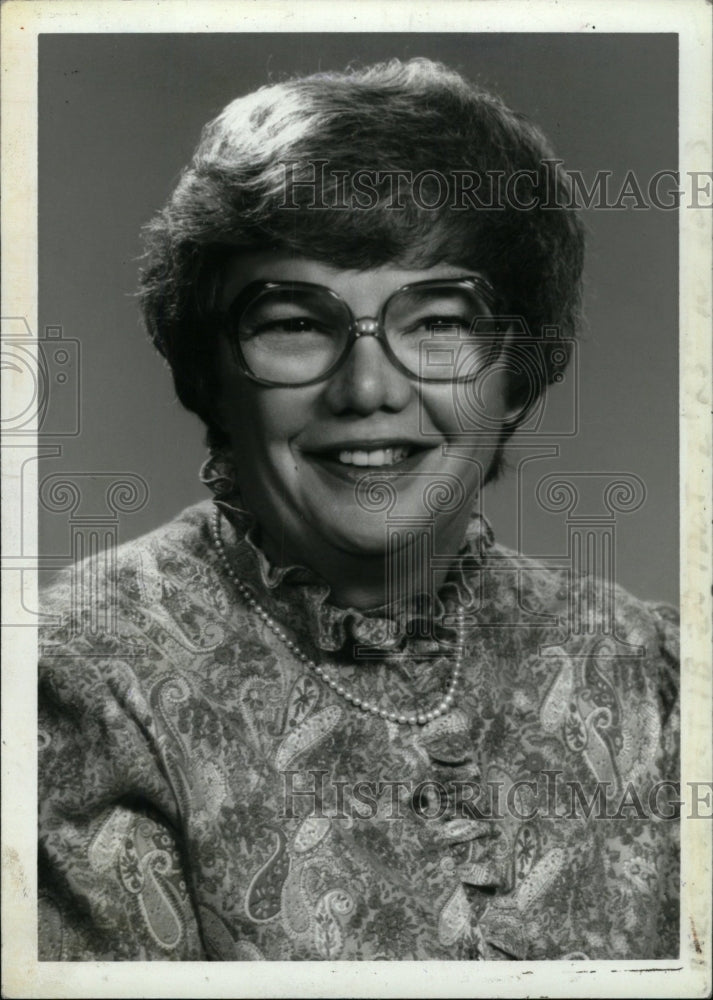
{"points": [[251, 415], [262, 424], [259, 430], [459, 407], [259, 426]]}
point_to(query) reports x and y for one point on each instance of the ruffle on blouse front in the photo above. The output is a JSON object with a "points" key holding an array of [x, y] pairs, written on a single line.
{"points": [[332, 628], [472, 850]]}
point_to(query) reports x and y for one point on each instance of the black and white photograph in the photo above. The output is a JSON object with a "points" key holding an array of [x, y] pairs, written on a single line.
{"points": [[356, 451]]}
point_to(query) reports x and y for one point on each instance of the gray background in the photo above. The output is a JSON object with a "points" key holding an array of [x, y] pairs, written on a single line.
{"points": [[119, 115]]}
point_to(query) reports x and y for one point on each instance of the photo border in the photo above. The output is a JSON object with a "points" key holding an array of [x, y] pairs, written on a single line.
{"points": [[23, 975]]}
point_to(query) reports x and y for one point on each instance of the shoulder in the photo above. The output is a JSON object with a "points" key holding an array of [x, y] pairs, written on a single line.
{"points": [[553, 585], [148, 605], [131, 569], [588, 616]]}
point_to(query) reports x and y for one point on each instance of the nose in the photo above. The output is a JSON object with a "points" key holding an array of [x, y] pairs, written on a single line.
{"points": [[367, 382]]}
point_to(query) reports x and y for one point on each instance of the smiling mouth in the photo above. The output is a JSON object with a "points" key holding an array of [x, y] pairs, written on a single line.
{"points": [[353, 462], [373, 458]]}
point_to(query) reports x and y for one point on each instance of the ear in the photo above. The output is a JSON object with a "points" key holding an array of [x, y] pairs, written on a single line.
{"points": [[516, 415], [521, 397], [526, 377]]}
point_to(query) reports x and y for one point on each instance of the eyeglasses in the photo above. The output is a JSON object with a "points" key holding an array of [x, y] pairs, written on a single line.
{"points": [[295, 333]]}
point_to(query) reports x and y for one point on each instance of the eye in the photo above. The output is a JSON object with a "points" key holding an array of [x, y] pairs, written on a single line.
{"points": [[439, 323], [286, 325]]}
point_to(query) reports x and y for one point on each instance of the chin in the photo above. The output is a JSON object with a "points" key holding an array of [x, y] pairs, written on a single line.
{"points": [[369, 542]]}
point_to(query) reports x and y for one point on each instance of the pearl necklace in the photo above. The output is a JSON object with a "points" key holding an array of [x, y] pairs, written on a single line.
{"points": [[370, 708]]}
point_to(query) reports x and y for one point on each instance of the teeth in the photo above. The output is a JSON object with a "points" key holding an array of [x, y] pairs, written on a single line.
{"points": [[378, 457]]}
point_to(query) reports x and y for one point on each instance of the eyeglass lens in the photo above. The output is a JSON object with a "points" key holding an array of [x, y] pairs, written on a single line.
{"points": [[292, 335]]}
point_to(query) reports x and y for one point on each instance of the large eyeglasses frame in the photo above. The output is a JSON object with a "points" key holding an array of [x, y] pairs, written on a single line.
{"points": [[365, 326]]}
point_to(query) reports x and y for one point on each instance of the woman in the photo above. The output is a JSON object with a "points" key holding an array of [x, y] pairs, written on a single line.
{"points": [[332, 718]]}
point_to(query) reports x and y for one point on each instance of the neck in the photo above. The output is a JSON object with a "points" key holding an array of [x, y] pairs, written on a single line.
{"points": [[372, 581]]}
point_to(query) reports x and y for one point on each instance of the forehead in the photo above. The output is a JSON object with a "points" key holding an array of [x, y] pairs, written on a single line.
{"points": [[363, 290]]}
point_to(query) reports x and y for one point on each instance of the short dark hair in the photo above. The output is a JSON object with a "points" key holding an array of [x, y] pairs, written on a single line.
{"points": [[245, 189]]}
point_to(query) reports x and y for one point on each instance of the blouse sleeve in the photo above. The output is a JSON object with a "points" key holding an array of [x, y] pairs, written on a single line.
{"points": [[640, 844], [667, 622], [617, 894], [113, 882]]}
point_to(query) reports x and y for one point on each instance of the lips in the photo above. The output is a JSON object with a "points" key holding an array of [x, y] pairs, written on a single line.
{"points": [[374, 458], [352, 462]]}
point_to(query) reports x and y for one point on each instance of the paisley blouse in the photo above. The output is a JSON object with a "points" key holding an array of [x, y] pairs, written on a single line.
{"points": [[204, 795]]}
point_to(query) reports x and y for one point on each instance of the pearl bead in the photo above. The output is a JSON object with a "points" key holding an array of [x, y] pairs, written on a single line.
{"points": [[365, 706]]}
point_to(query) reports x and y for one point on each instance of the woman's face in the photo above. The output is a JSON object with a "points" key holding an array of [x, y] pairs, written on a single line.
{"points": [[300, 452]]}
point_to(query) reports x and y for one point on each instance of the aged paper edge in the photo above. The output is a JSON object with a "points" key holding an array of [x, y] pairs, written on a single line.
{"points": [[23, 976]]}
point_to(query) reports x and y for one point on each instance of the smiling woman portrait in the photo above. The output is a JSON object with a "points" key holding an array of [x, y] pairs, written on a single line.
{"points": [[334, 718]]}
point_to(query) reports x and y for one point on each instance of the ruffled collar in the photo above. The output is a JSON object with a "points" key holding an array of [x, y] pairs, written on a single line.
{"points": [[298, 596]]}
